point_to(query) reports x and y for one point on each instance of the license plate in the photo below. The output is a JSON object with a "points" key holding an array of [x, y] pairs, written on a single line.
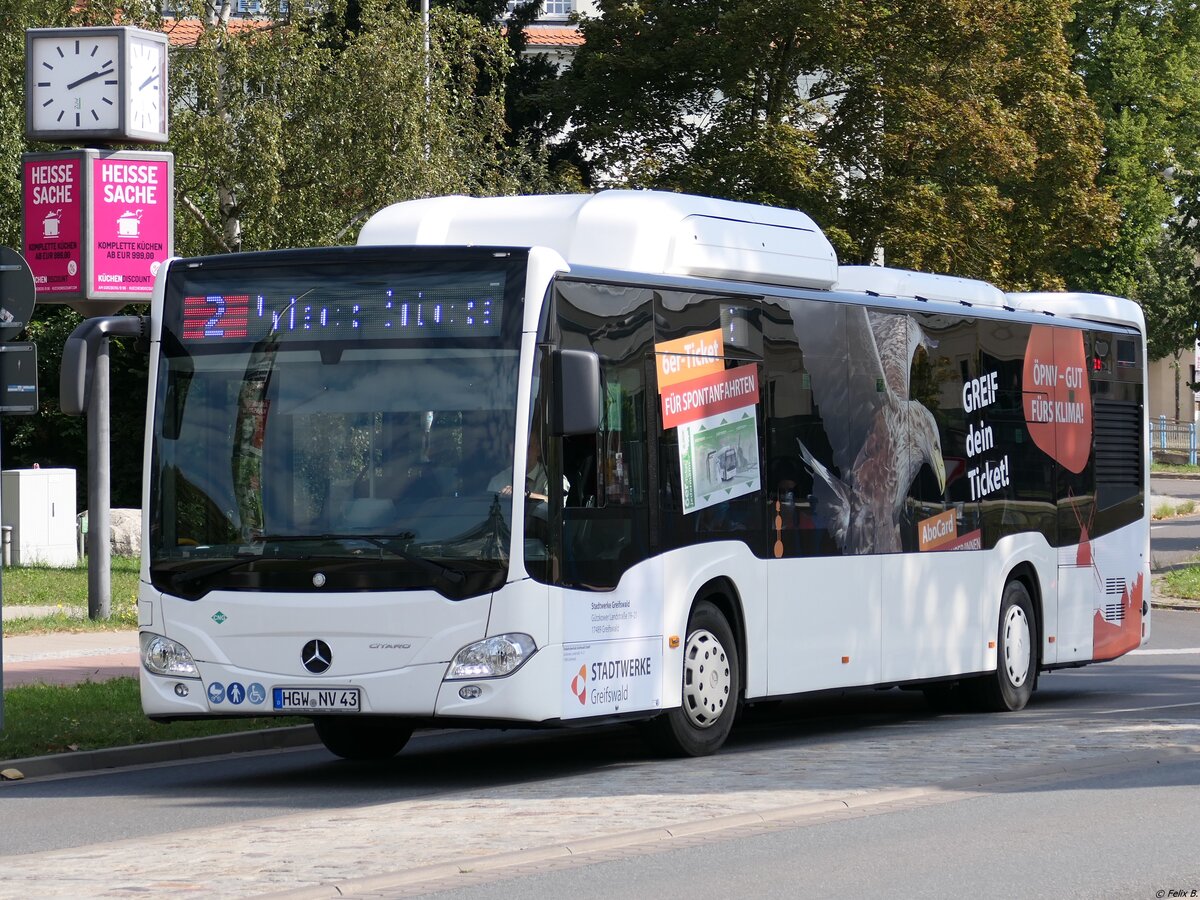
{"points": [[316, 699]]}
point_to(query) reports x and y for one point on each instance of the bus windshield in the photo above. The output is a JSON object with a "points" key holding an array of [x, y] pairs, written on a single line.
{"points": [[368, 451]]}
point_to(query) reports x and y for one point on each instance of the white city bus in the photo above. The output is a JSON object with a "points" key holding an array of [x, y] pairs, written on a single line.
{"points": [[631, 456]]}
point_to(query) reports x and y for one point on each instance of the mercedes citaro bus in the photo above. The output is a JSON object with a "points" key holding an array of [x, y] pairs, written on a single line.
{"points": [[563, 460]]}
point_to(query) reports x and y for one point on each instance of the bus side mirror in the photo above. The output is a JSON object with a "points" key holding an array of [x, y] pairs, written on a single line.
{"points": [[79, 352], [577, 392], [72, 381]]}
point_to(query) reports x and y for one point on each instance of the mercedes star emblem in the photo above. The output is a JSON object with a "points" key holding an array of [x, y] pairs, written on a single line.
{"points": [[316, 656]]}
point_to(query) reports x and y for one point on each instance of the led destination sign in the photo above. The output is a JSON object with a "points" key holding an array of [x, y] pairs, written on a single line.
{"points": [[403, 307]]}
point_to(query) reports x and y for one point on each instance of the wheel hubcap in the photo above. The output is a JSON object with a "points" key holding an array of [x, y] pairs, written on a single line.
{"points": [[706, 678], [1017, 649]]}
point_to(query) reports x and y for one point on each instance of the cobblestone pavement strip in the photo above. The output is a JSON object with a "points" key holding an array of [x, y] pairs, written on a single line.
{"points": [[313, 851], [66, 658]]}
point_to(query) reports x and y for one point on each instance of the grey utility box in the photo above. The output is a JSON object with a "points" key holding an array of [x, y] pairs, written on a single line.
{"points": [[39, 506]]}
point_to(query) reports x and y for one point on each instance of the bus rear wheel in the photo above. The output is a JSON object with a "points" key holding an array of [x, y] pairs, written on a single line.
{"points": [[711, 685], [368, 738], [1011, 685]]}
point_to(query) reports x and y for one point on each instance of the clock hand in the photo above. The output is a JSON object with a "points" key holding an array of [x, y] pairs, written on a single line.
{"points": [[86, 78], [148, 81]]}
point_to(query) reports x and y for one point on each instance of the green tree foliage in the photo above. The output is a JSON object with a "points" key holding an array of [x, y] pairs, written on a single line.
{"points": [[536, 159], [53, 439], [529, 88], [700, 96], [966, 142], [1168, 293], [950, 134], [1141, 64]]}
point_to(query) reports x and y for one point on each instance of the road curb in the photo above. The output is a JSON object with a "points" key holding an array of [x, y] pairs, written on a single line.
{"points": [[1175, 603], [164, 751]]}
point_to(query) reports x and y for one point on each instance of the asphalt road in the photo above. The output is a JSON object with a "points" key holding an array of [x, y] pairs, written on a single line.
{"points": [[1175, 542], [1129, 834], [285, 821], [1185, 488]]}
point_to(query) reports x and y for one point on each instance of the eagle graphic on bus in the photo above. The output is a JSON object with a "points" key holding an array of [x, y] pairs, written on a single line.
{"points": [[883, 437]]}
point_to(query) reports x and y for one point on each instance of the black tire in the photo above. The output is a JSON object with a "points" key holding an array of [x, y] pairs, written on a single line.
{"points": [[711, 687], [368, 738], [1011, 685]]}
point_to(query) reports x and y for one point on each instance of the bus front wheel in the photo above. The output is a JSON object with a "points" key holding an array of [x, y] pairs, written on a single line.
{"points": [[1011, 685], [711, 684], [368, 738]]}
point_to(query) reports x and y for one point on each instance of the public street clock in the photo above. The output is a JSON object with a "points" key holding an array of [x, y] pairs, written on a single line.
{"points": [[95, 84], [148, 83]]}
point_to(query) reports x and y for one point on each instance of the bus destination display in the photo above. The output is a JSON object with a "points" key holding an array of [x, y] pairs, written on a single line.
{"points": [[411, 308]]}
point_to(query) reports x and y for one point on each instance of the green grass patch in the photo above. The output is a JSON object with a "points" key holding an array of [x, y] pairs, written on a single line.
{"points": [[41, 719], [66, 589], [1174, 508], [1174, 468], [1183, 583]]}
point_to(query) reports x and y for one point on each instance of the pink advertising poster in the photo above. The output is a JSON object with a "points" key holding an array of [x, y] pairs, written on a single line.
{"points": [[131, 223], [53, 212]]}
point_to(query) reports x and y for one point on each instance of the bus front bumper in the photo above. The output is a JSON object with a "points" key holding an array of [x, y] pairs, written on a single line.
{"points": [[419, 691]]}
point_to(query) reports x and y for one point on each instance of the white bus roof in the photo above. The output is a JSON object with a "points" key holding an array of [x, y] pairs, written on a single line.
{"points": [[1093, 307], [657, 232], [651, 232], [904, 283]]}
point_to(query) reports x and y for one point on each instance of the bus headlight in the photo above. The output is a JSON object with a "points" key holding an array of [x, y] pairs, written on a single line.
{"points": [[492, 657], [163, 656]]}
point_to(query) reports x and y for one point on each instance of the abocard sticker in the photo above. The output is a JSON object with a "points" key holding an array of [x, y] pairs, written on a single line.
{"points": [[940, 532], [611, 677]]}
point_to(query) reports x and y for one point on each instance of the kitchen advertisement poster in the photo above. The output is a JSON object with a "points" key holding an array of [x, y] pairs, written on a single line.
{"points": [[131, 224], [97, 224], [53, 220]]}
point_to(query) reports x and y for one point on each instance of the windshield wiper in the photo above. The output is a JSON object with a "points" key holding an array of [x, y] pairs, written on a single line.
{"points": [[383, 542], [242, 558], [334, 536], [178, 579], [451, 576]]}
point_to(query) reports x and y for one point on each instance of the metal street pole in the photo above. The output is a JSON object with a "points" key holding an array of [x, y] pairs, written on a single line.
{"points": [[1, 609], [83, 387], [425, 27], [99, 451]]}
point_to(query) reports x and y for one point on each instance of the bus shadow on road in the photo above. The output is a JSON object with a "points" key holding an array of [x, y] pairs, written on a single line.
{"points": [[451, 759]]}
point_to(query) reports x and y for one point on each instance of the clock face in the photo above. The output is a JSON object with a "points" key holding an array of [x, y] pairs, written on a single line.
{"points": [[75, 83], [148, 86]]}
